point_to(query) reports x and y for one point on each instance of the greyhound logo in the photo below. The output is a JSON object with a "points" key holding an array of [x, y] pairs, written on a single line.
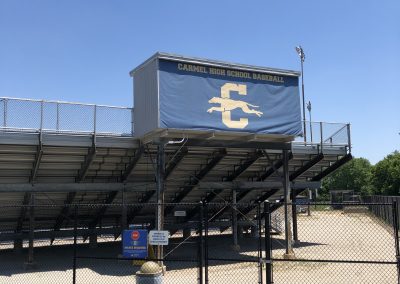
{"points": [[227, 105]]}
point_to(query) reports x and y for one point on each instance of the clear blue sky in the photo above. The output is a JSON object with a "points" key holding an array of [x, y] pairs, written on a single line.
{"points": [[83, 50]]}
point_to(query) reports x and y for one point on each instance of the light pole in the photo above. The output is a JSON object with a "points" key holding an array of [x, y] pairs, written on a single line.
{"points": [[309, 112], [300, 52]]}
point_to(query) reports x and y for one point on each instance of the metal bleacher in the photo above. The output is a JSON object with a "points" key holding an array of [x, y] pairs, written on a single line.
{"points": [[68, 153]]}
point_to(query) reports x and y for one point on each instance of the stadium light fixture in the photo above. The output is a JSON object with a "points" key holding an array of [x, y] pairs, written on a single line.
{"points": [[300, 52], [302, 56]]}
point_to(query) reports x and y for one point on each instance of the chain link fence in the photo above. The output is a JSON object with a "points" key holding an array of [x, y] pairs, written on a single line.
{"points": [[63, 117], [82, 243], [347, 245]]}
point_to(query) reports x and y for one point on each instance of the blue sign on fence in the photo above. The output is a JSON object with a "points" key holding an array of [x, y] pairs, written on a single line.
{"points": [[134, 243]]}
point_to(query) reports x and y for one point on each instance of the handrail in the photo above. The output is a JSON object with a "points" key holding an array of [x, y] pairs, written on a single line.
{"points": [[61, 117], [330, 137], [20, 114], [326, 134], [62, 102]]}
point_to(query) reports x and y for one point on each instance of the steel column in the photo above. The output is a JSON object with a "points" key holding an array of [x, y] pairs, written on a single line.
{"points": [[268, 247], [31, 230], [75, 243], [349, 137], [286, 188], [396, 236], [260, 266], [201, 244], [160, 174], [294, 216], [205, 213]]}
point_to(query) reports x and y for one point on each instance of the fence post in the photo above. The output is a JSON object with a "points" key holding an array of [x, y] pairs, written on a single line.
{"points": [[348, 137], [396, 236], [30, 262], [132, 125], [205, 242], [268, 248], [95, 119], [75, 243], [321, 136], [201, 243], [260, 266], [5, 113], [41, 115], [58, 116]]}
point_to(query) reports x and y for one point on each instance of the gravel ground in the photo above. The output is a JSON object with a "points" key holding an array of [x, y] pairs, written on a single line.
{"points": [[335, 235]]}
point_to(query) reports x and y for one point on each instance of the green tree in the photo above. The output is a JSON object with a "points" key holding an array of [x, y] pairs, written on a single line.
{"points": [[354, 175], [386, 175]]}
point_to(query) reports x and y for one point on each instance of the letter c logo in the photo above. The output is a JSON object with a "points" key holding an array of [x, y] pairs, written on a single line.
{"points": [[226, 89]]}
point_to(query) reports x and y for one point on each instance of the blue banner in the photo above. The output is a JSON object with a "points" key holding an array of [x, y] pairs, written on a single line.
{"points": [[134, 244], [200, 97]]}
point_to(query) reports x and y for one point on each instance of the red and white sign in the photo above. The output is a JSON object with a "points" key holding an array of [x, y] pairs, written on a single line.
{"points": [[135, 235]]}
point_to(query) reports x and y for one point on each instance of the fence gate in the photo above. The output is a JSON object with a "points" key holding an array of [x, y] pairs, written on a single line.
{"points": [[349, 244], [202, 250], [232, 257]]}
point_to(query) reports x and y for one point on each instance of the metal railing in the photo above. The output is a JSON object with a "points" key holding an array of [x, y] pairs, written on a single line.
{"points": [[326, 133], [30, 115], [384, 213], [64, 117]]}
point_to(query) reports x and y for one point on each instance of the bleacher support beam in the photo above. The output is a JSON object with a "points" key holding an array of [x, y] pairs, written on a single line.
{"points": [[100, 213], [193, 182], [172, 164], [238, 170], [286, 188], [236, 246], [30, 262], [64, 212], [131, 166], [88, 161], [271, 170], [38, 159], [315, 160], [333, 167], [24, 209]]}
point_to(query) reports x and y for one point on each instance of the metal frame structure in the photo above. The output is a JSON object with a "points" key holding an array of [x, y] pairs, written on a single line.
{"points": [[63, 168]]}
